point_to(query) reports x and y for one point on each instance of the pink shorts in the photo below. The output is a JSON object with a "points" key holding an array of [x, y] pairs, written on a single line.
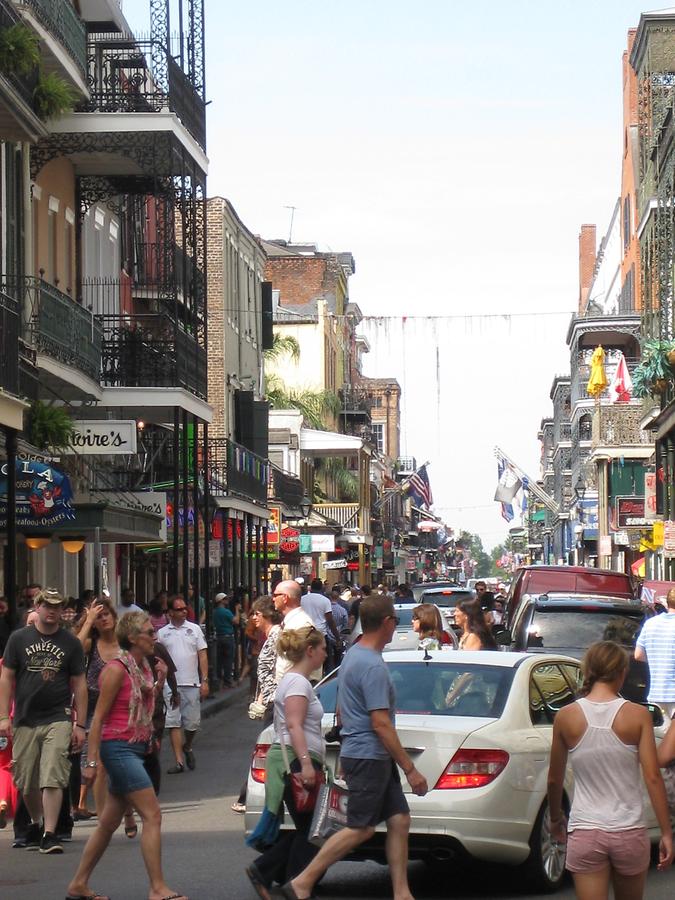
{"points": [[592, 849]]}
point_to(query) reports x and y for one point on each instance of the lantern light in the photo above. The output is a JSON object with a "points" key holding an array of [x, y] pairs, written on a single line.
{"points": [[72, 544], [37, 543]]}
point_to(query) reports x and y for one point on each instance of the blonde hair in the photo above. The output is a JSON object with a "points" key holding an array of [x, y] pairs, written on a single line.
{"points": [[130, 625], [604, 661], [293, 644]]}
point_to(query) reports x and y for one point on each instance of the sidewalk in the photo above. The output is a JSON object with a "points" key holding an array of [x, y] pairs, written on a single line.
{"points": [[223, 699]]}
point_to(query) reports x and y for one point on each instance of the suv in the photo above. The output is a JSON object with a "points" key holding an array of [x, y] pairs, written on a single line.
{"points": [[566, 579], [569, 623]]}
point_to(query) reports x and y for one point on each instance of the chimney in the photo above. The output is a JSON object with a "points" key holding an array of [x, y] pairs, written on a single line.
{"points": [[587, 247]]}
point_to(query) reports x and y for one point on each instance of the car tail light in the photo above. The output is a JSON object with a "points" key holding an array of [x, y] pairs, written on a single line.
{"points": [[258, 760], [472, 769]]}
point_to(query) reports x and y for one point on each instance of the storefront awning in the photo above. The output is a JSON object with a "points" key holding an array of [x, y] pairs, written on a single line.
{"points": [[238, 504], [117, 524], [330, 443]]}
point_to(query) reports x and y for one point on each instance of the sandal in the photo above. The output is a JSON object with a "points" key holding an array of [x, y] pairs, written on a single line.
{"points": [[130, 830], [258, 885], [87, 897], [178, 769]]}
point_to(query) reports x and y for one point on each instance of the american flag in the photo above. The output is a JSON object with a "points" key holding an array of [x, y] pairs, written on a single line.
{"points": [[420, 489]]}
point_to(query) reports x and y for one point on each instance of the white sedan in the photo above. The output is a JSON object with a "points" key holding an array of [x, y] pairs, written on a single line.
{"points": [[405, 637], [478, 727]]}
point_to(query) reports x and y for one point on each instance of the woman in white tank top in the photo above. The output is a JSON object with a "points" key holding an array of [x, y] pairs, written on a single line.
{"points": [[607, 740]]}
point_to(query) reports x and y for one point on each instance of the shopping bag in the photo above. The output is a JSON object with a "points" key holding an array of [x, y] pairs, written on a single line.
{"points": [[330, 812]]}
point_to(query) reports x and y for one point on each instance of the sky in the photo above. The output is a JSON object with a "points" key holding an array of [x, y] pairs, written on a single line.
{"points": [[455, 149]]}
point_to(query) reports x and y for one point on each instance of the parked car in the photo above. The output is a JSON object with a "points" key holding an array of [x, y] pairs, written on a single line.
{"points": [[570, 623], [484, 753], [572, 579], [405, 636]]}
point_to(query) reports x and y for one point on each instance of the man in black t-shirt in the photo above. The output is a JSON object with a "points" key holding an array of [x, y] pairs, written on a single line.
{"points": [[43, 666]]}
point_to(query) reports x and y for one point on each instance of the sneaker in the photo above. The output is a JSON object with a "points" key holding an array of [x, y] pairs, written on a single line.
{"points": [[238, 807], [3, 816], [19, 843], [190, 759], [33, 837], [50, 843], [65, 836], [176, 770]]}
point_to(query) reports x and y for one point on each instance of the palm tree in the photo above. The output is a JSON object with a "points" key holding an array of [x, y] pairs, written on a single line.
{"points": [[283, 345], [315, 406]]}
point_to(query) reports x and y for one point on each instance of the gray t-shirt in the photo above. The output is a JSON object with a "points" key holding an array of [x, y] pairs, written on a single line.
{"points": [[364, 684], [295, 685]]}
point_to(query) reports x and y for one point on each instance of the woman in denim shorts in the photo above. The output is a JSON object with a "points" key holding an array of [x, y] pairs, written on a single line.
{"points": [[119, 739], [607, 740]]}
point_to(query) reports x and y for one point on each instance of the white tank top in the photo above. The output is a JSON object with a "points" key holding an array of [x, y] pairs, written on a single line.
{"points": [[607, 783]]}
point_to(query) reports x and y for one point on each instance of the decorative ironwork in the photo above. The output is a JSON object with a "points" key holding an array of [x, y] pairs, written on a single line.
{"points": [[234, 469], [150, 351], [59, 17], [581, 370], [58, 326], [24, 85], [286, 488], [9, 341], [618, 426]]}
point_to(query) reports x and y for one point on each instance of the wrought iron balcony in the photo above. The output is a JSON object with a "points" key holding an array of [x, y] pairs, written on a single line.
{"points": [[17, 115], [59, 17], [286, 488], [582, 372], [59, 327], [619, 426], [355, 403], [235, 470], [10, 331], [345, 514], [150, 351], [129, 76]]}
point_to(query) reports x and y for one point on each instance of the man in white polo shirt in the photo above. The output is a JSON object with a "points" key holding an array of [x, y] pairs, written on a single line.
{"points": [[286, 598], [186, 645], [656, 645]]}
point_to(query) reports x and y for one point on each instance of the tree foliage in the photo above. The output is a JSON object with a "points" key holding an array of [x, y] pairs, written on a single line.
{"points": [[474, 545]]}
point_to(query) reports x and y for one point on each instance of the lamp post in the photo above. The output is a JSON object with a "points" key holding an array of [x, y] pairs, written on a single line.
{"points": [[579, 493], [306, 510]]}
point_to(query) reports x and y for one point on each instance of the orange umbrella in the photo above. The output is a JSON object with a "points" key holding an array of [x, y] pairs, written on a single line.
{"points": [[598, 380]]}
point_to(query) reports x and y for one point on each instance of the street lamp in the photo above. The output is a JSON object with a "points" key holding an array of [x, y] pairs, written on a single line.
{"points": [[306, 507]]}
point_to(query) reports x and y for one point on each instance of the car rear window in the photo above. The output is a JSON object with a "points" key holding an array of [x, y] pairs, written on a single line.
{"points": [[446, 598], [449, 689], [404, 619], [557, 630]]}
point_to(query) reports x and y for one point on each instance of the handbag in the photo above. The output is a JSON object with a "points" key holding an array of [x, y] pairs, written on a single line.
{"points": [[330, 812], [304, 798]]}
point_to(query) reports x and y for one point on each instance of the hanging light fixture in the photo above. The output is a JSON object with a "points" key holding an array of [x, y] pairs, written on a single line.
{"points": [[72, 544], [37, 543]]}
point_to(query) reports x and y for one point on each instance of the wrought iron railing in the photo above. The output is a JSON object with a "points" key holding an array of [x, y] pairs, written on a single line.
{"points": [[346, 514], [150, 351], [60, 18], [619, 425], [354, 402], [582, 372], [128, 76], [286, 488], [234, 469], [58, 326], [10, 330]]}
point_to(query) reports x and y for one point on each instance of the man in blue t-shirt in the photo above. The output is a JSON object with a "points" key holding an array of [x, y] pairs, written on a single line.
{"points": [[224, 621], [370, 754], [656, 645]]}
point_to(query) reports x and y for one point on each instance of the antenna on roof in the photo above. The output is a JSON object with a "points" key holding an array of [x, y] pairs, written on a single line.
{"points": [[290, 230]]}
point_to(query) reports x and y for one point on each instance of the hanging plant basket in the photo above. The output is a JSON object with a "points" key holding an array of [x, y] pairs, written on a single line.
{"points": [[53, 96], [19, 50]]}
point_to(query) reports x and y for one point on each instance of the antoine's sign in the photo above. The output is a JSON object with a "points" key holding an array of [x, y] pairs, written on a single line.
{"points": [[110, 436]]}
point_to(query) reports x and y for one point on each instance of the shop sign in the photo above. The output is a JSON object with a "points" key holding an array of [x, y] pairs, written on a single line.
{"points": [[669, 539], [274, 526], [352, 567], [657, 534], [605, 548], [154, 502], [630, 512], [43, 495], [115, 437], [335, 564], [289, 542], [305, 543], [323, 543], [305, 565], [621, 539], [650, 496]]}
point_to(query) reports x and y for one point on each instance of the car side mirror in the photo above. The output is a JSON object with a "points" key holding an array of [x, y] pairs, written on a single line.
{"points": [[503, 637]]}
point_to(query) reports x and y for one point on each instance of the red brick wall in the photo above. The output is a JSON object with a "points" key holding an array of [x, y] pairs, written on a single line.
{"points": [[587, 250], [299, 279]]}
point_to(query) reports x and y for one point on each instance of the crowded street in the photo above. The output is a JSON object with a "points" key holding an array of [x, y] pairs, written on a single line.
{"points": [[204, 844]]}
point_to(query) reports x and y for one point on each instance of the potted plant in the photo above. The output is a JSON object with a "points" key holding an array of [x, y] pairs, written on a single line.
{"points": [[53, 96], [654, 373], [19, 50]]}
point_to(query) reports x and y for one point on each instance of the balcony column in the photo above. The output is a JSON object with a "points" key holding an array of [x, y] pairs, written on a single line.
{"points": [[10, 549], [670, 497], [265, 567], [242, 552], [225, 566], [207, 520], [604, 561], [258, 550], [249, 550], [173, 575], [186, 506], [235, 555], [196, 579]]}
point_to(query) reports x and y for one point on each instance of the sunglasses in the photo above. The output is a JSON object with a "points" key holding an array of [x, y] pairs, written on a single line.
{"points": [[396, 619]]}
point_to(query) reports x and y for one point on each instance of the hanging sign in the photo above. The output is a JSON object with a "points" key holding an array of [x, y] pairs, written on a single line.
{"points": [[335, 564], [43, 495], [650, 496], [274, 526], [669, 540], [110, 436], [305, 541], [154, 502], [323, 543], [630, 512], [289, 542]]}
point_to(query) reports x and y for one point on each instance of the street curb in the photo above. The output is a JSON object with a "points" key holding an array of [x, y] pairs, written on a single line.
{"points": [[222, 701]]}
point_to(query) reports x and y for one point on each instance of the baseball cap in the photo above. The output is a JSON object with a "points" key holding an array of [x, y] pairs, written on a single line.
{"points": [[300, 579], [49, 596], [220, 597]]}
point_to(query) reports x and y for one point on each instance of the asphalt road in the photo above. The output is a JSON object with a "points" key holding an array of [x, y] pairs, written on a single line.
{"points": [[204, 852]]}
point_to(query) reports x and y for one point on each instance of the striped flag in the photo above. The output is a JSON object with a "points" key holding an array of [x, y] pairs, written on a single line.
{"points": [[419, 489]]}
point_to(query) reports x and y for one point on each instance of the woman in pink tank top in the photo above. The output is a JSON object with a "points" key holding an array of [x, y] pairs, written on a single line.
{"points": [[607, 740], [119, 737]]}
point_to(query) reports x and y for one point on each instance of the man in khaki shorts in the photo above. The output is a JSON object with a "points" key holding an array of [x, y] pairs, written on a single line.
{"points": [[43, 666]]}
